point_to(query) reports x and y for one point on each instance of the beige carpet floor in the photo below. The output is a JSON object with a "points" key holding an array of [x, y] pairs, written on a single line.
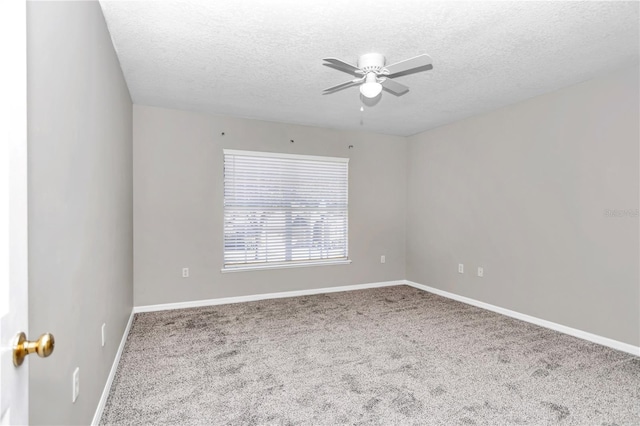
{"points": [[388, 356]]}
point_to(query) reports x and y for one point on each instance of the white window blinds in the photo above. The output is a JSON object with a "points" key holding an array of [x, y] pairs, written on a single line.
{"points": [[283, 209]]}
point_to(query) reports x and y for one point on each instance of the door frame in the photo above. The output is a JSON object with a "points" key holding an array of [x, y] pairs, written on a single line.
{"points": [[14, 382]]}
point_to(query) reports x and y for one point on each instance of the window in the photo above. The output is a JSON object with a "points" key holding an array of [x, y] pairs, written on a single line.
{"points": [[283, 210]]}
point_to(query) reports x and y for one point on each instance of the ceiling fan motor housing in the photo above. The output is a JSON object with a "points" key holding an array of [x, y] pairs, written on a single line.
{"points": [[371, 62]]}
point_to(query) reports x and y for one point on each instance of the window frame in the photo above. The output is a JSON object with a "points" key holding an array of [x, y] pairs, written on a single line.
{"points": [[291, 263]]}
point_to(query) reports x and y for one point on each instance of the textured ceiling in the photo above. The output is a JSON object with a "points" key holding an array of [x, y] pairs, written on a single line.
{"points": [[263, 59]]}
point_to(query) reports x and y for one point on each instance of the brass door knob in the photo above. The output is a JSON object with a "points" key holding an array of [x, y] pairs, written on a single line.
{"points": [[22, 347]]}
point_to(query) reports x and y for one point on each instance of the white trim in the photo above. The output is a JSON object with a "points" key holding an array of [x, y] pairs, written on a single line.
{"points": [[14, 220], [605, 341], [255, 297], [285, 156], [114, 367], [282, 265]]}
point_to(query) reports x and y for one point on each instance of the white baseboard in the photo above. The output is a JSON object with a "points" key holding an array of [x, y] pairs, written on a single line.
{"points": [[211, 302], [255, 297], [114, 367], [605, 341], [615, 344]]}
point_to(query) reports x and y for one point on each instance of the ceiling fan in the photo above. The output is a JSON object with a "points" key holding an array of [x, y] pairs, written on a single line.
{"points": [[373, 75]]}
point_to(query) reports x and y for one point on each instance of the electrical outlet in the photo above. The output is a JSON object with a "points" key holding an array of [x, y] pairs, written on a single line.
{"points": [[103, 333], [460, 268], [480, 271], [185, 272], [76, 384], [383, 259]]}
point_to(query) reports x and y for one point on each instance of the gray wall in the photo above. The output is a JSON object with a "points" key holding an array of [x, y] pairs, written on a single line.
{"points": [[80, 205], [522, 191], [177, 165]]}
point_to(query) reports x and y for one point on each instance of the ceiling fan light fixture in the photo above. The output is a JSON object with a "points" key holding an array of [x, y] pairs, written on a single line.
{"points": [[371, 88]]}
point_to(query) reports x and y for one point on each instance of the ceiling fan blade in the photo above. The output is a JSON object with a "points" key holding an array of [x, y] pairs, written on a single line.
{"points": [[335, 67], [418, 63], [342, 65], [394, 87], [343, 85]]}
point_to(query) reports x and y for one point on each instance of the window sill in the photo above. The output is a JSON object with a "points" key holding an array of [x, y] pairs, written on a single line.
{"points": [[283, 265]]}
